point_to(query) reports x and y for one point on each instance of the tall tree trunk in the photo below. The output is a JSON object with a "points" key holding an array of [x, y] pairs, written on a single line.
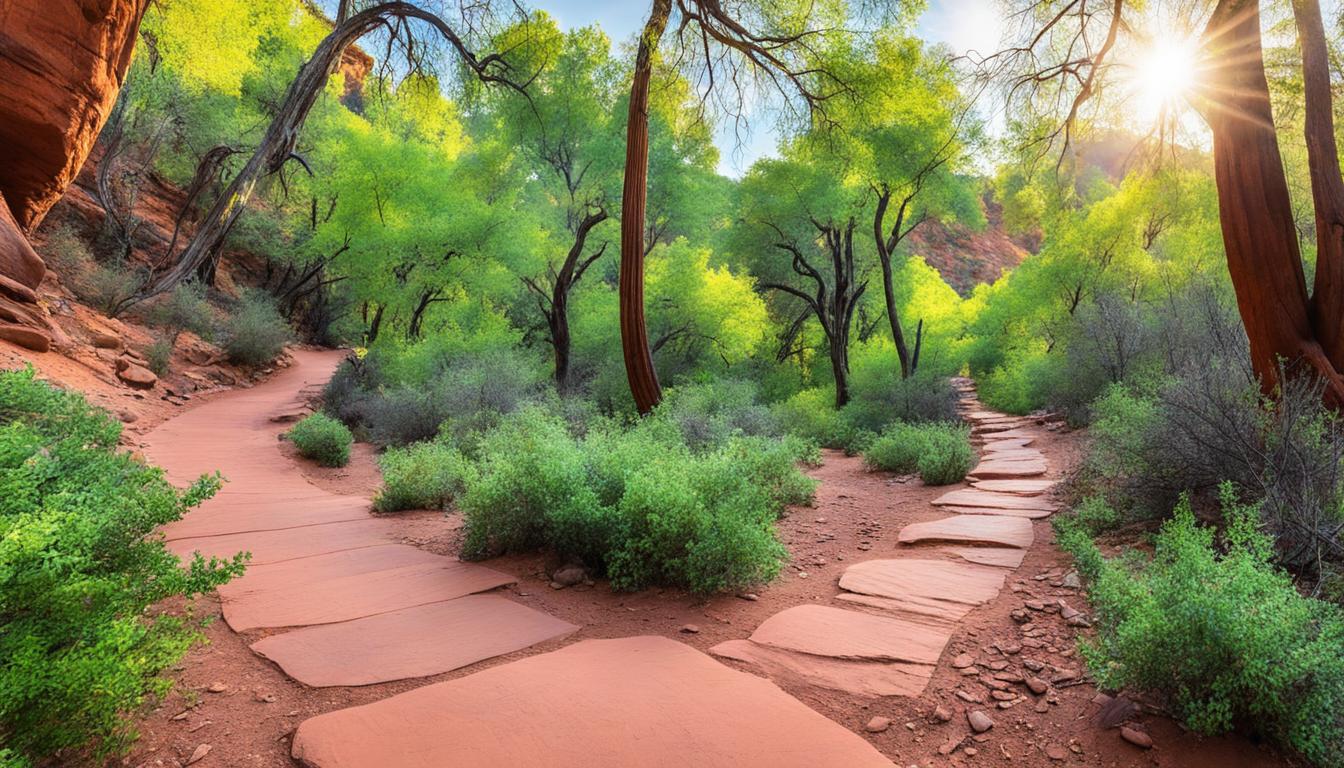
{"points": [[1327, 185], [888, 282], [1254, 208], [560, 340], [634, 334]]}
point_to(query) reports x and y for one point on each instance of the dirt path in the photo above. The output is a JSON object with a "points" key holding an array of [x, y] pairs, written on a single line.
{"points": [[247, 709]]}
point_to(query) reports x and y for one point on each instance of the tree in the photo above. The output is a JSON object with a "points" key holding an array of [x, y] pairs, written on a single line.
{"points": [[276, 148], [1286, 324], [566, 132], [798, 224], [771, 42]]}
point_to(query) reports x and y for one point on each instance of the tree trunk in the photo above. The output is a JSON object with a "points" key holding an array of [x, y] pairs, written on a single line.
{"points": [[1254, 208], [888, 283], [634, 335], [560, 339], [840, 370]]}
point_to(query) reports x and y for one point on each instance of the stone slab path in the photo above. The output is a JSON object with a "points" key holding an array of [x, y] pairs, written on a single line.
{"points": [[363, 608], [902, 612], [636, 701]]}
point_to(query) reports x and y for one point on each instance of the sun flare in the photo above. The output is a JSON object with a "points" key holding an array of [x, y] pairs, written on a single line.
{"points": [[1163, 76]]}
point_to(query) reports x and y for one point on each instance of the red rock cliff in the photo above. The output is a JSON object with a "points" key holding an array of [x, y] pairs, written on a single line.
{"points": [[61, 66]]}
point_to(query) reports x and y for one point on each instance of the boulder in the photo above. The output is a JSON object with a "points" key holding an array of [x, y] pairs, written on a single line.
{"points": [[61, 67], [135, 376], [20, 266], [26, 337]]}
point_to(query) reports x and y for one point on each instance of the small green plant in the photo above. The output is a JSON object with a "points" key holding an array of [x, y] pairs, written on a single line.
{"points": [[159, 355], [422, 476], [323, 439], [255, 333], [1209, 624], [183, 309], [947, 456], [80, 566]]}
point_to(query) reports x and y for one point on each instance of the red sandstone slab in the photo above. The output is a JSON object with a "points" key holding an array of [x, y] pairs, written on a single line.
{"points": [[1030, 514], [1014, 454], [413, 642], [857, 678], [269, 547], [1011, 444], [974, 497], [973, 529], [1003, 557], [303, 572], [939, 614], [640, 701], [839, 634], [219, 517], [992, 469], [1020, 487], [1017, 433], [342, 598], [910, 578]]}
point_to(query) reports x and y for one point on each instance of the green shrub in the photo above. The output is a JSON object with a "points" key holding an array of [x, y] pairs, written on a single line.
{"points": [[183, 309], [947, 456], [422, 476], [940, 453], [159, 356], [255, 334], [80, 565], [710, 413], [323, 439], [1219, 633]]}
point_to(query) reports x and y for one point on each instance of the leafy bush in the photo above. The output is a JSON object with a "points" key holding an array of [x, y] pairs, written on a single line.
{"points": [[948, 455], [183, 309], [1219, 633], [80, 565], [636, 502], [255, 334], [710, 413], [422, 476], [323, 439], [159, 356], [811, 415], [880, 400], [940, 453]]}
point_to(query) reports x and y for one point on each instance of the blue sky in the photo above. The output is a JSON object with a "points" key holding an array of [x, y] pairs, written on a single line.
{"points": [[961, 24]]}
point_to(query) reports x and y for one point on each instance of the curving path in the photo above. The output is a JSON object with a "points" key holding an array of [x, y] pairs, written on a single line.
{"points": [[904, 610], [342, 604]]}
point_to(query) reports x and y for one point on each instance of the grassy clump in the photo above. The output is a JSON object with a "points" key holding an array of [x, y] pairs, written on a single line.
{"points": [[636, 502], [323, 439], [255, 334], [940, 453], [422, 476], [1211, 626], [80, 566]]}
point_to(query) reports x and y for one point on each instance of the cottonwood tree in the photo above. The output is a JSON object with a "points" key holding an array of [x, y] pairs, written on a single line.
{"points": [[404, 25], [798, 223], [725, 47], [1067, 54]]}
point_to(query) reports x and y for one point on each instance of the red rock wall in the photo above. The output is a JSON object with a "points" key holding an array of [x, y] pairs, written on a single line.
{"points": [[62, 63]]}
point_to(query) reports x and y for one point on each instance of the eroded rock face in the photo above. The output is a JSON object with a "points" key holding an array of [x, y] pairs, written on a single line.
{"points": [[61, 66]]}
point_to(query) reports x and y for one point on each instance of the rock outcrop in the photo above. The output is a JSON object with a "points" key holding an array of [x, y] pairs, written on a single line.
{"points": [[61, 67]]}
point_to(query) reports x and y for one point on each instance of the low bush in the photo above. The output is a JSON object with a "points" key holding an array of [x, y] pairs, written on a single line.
{"points": [[255, 334], [422, 476], [322, 439], [636, 502], [80, 566], [183, 309], [1219, 633], [159, 356], [709, 413], [940, 453]]}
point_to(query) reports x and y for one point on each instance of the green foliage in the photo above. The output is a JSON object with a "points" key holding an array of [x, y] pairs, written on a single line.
{"points": [[255, 334], [80, 564], [322, 439], [183, 309], [1220, 633], [940, 453], [636, 502], [422, 476], [159, 356]]}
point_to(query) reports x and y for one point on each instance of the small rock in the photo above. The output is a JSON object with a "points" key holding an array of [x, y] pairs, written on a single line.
{"points": [[963, 661], [558, 585], [1115, 711], [570, 575], [802, 574], [980, 722], [1136, 737], [199, 753], [137, 376], [1041, 707], [971, 751], [1056, 752], [1072, 581], [877, 725], [750, 597], [103, 340], [217, 687], [1037, 686], [971, 698], [940, 714], [1009, 648], [267, 698], [1079, 621], [690, 629], [949, 747]]}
